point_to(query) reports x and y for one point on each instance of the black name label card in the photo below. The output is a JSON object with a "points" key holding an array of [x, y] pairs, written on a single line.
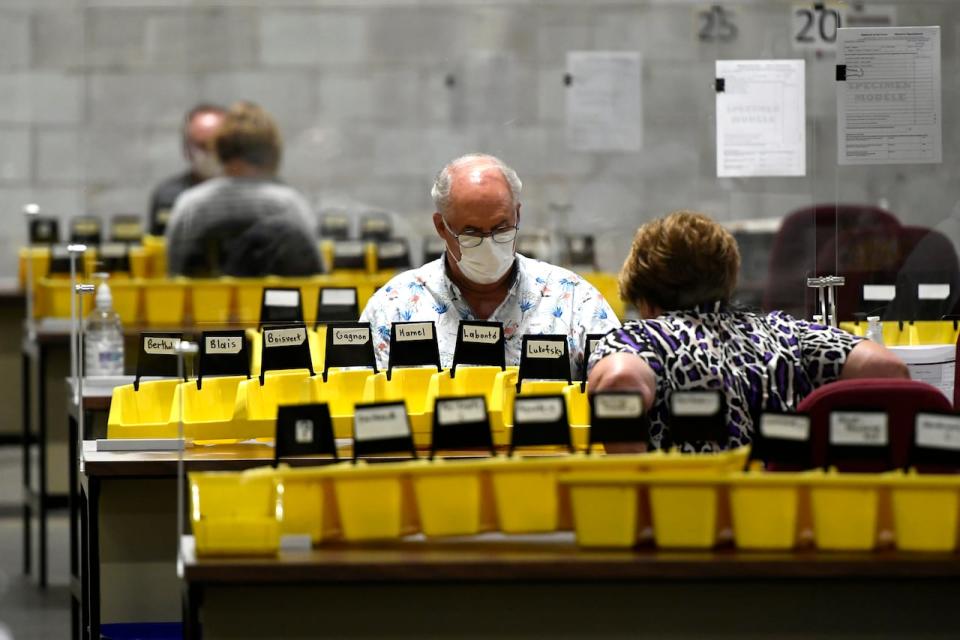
{"points": [[304, 429], [698, 416], [544, 357], [285, 348], [461, 423], [348, 344], [158, 356], [337, 304], [413, 344], [617, 416], [479, 344], [381, 428], [540, 421]]}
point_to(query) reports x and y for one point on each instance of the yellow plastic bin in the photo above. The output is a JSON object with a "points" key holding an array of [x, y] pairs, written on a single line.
{"points": [[527, 496], [925, 511], [766, 509], [605, 508], [151, 412], [139, 262], [893, 335], [529, 387], [845, 509], [685, 509], [607, 285], [164, 302], [39, 259], [370, 501], [309, 507], [53, 299], [488, 382], [258, 404], [156, 250], [235, 513], [450, 497], [931, 332], [318, 346], [211, 300], [208, 412], [409, 384], [342, 391], [126, 296]]}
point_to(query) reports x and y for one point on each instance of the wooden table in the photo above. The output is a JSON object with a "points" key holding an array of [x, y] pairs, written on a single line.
{"points": [[128, 529], [544, 586]]}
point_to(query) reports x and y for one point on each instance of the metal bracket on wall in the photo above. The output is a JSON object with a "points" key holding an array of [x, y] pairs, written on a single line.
{"points": [[827, 296]]}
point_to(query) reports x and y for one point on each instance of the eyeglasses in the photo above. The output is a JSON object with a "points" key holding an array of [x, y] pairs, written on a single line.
{"points": [[471, 239]]}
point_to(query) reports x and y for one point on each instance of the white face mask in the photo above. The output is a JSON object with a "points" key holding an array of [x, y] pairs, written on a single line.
{"points": [[488, 262], [205, 163]]}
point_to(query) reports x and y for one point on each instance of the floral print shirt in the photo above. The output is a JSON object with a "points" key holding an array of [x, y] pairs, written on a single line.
{"points": [[543, 299], [760, 362]]}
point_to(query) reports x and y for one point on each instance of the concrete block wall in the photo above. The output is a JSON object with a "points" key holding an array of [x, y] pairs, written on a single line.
{"points": [[373, 96]]}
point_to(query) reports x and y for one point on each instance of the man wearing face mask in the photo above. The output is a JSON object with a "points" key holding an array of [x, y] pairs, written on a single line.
{"points": [[481, 277], [199, 127]]}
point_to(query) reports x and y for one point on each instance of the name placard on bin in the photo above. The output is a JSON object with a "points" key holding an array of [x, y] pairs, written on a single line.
{"points": [[393, 254], [593, 339], [617, 417], [348, 344], [375, 227], [304, 430], [936, 440], [381, 427], [280, 304], [126, 228], [60, 260], [698, 416], [44, 230], [783, 439], [223, 353], [540, 421], [859, 437], [479, 343], [285, 347], [461, 423], [335, 227], [349, 254], [544, 357], [337, 304], [157, 357], [413, 344], [86, 230], [113, 257]]}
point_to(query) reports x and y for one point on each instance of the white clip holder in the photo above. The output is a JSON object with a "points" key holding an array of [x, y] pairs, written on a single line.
{"points": [[827, 295]]}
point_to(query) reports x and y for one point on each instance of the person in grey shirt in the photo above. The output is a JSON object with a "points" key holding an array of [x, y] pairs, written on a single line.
{"points": [[245, 223]]}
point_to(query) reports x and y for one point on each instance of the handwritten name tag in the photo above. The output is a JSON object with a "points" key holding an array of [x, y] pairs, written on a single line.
{"points": [[86, 227], [527, 410], [375, 224], [281, 298], [303, 431], [784, 427], [933, 291], [338, 297], [161, 346], [544, 349], [618, 406], [335, 223], [348, 249], [348, 337], [128, 230], [113, 250], [379, 423], [392, 250], [284, 337], [481, 335], [224, 344], [694, 403], [858, 428], [879, 292], [938, 431], [461, 410], [416, 331]]}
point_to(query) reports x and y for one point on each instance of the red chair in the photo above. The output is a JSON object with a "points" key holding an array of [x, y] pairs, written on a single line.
{"points": [[900, 399], [929, 257], [802, 248]]}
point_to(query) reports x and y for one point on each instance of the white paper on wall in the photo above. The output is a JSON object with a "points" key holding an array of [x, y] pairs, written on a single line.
{"points": [[761, 118], [888, 107], [604, 111]]}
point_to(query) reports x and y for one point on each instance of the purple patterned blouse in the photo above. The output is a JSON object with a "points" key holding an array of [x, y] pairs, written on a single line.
{"points": [[760, 362]]}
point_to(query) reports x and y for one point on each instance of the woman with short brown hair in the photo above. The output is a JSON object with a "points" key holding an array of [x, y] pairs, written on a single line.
{"points": [[680, 274]]}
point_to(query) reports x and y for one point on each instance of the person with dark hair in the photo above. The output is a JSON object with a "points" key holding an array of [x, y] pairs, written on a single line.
{"points": [[244, 223], [680, 274], [199, 127]]}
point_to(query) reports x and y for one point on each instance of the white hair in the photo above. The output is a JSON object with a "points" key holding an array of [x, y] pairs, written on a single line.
{"points": [[440, 192]]}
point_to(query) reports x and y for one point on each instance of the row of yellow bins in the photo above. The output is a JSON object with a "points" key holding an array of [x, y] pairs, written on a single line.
{"points": [[768, 511], [237, 408], [677, 501], [907, 334], [248, 512], [143, 259], [170, 302]]}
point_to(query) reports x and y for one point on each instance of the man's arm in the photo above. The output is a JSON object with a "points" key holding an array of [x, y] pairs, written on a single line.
{"points": [[624, 372], [871, 360]]}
